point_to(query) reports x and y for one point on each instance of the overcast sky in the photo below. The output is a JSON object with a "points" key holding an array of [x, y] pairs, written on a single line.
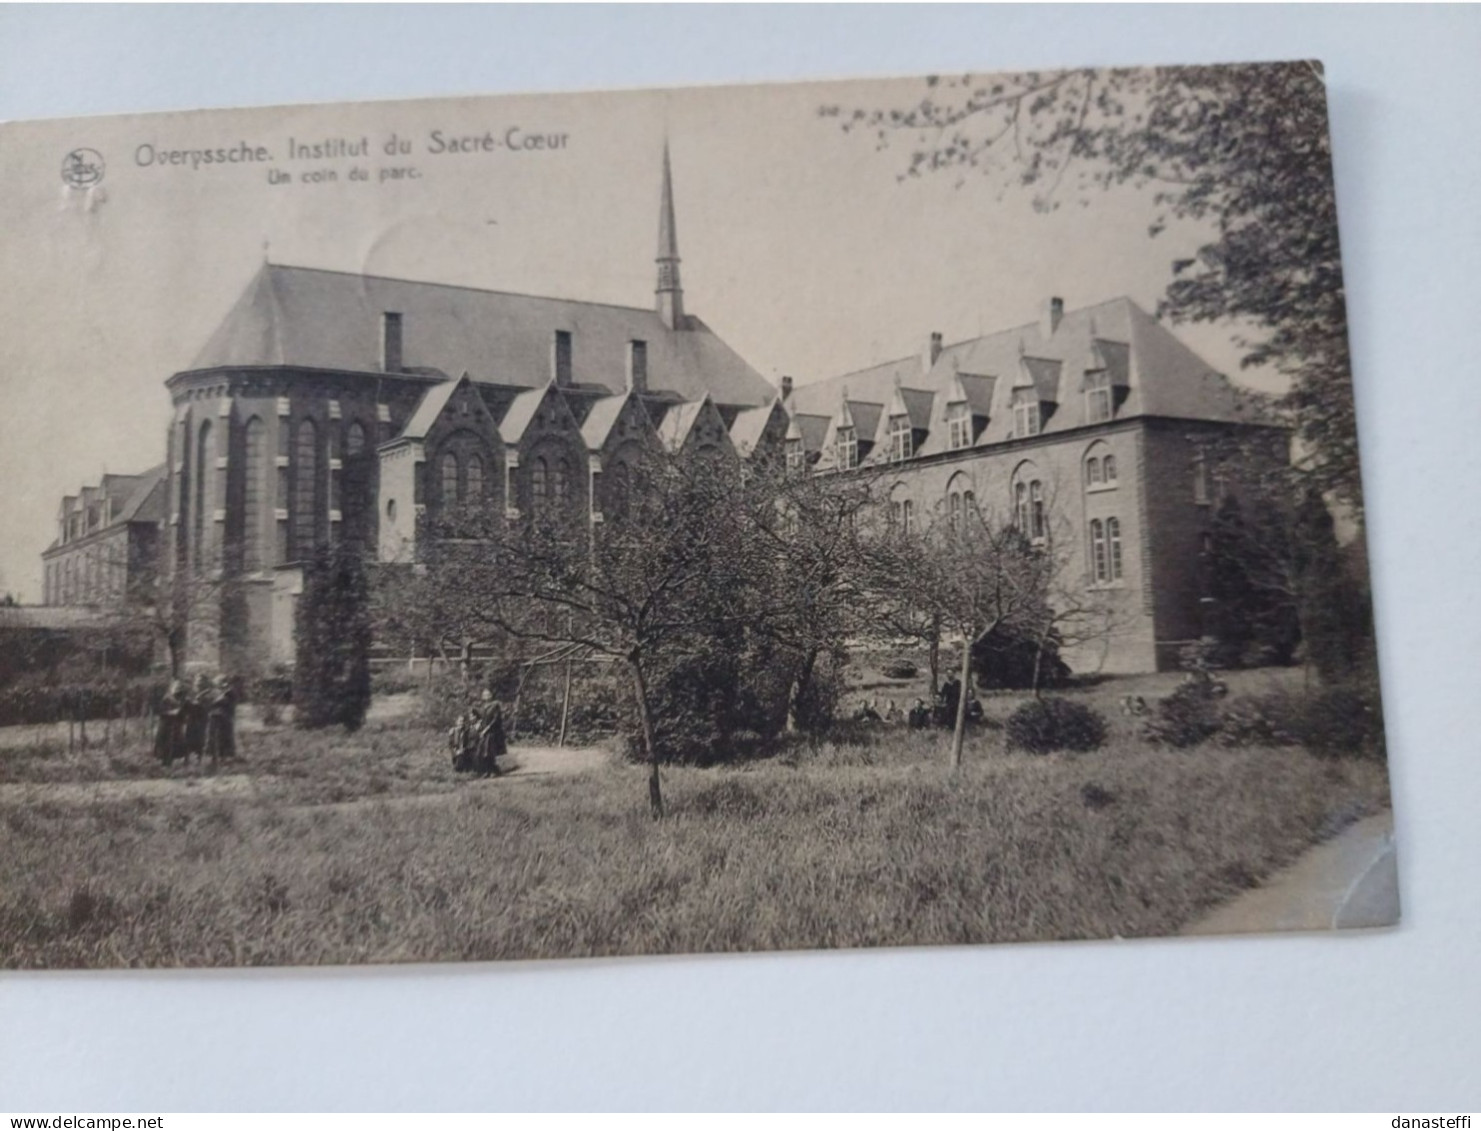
{"points": [[800, 247]]}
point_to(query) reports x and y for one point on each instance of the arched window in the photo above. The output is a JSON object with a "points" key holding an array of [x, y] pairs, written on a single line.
{"points": [[537, 482], [1098, 561], [618, 484], [254, 493], [1092, 472], [1109, 469], [355, 439], [1038, 525], [954, 510], [391, 510], [475, 478], [969, 503], [205, 462], [562, 480], [449, 473], [907, 515], [305, 489], [1113, 540], [1200, 479], [1020, 506]]}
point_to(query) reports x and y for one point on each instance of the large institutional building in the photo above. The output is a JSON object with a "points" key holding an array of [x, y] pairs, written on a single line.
{"points": [[331, 406]]}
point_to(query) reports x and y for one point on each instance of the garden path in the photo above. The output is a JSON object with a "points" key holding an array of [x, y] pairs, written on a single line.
{"points": [[1349, 881]]}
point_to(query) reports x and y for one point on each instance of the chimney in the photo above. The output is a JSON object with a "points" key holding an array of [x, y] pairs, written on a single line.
{"points": [[786, 389], [391, 342], [560, 358], [1053, 314], [637, 365], [932, 352]]}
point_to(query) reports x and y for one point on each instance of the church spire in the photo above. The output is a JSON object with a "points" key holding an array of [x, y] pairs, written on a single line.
{"points": [[670, 293]]}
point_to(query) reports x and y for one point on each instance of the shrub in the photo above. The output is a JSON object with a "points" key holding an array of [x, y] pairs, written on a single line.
{"points": [[900, 669], [1343, 720], [1042, 725], [1257, 721], [1186, 717], [1005, 659]]}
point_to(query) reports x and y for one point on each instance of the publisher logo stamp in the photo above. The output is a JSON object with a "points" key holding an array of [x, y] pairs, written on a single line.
{"points": [[82, 168]]}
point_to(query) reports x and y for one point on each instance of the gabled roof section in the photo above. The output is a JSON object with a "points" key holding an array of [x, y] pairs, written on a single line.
{"points": [[1114, 358], [605, 414], [525, 407], [146, 502], [914, 403], [810, 428], [318, 319], [685, 421], [434, 404], [975, 389], [1160, 375], [750, 425], [1042, 373]]}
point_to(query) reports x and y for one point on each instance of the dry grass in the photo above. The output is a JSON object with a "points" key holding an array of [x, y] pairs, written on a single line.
{"points": [[857, 844]]}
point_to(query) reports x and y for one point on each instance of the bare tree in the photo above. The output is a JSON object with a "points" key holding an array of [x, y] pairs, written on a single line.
{"points": [[971, 572], [643, 587]]}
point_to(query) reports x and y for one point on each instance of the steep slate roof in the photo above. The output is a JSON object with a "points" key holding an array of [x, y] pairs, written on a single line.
{"points": [[146, 502], [429, 408], [750, 426], [810, 428], [142, 500], [522, 410], [319, 319], [1163, 377], [603, 417]]}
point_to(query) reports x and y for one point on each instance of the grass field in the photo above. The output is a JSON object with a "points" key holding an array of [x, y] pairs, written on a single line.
{"points": [[366, 848]]}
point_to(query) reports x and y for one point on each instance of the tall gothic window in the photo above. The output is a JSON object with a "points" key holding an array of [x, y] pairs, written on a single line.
{"points": [[1200, 479], [448, 466], [537, 482], [562, 481], [954, 510], [1099, 563], [1020, 506], [254, 490], [305, 489], [1092, 472], [1038, 527], [1113, 540], [205, 461], [475, 478], [1109, 469]]}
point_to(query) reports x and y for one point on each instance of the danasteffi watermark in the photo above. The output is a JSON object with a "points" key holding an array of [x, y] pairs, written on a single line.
{"points": [[1408, 1121]]}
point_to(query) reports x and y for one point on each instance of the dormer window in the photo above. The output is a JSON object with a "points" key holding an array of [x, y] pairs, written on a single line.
{"points": [[901, 446], [1026, 417], [958, 426], [846, 448], [1098, 406], [796, 455]]}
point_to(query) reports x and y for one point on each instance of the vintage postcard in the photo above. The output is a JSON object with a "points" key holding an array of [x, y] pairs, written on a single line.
{"points": [[877, 513]]}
